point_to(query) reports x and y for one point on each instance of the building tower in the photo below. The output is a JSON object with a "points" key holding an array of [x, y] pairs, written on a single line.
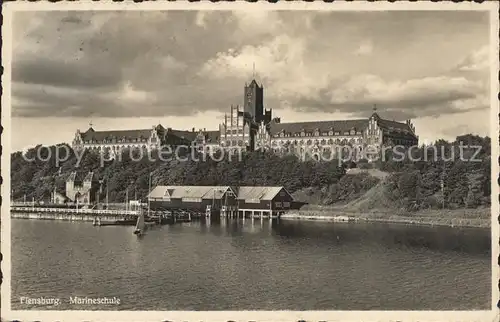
{"points": [[254, 101]]}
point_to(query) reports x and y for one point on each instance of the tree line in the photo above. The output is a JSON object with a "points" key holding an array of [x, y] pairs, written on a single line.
{"points": [[436, 182]]}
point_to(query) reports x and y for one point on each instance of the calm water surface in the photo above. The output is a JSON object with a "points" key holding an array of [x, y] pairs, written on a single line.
{"points": [[238, 265]]}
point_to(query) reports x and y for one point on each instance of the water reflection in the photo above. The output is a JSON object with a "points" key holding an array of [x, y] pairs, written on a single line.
{"points": [[437, 238]]}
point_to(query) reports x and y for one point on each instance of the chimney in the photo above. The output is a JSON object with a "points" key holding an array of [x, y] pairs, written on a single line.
{"points": [[204, 129], [192, 130]]}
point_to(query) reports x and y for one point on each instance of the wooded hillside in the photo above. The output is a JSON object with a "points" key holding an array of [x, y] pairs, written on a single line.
{"points": [[410, 184]]}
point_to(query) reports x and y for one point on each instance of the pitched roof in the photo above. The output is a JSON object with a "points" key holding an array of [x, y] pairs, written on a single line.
{"points": [[253, 82], [322, 126], [178, 192], [261, 193], [186, 135], [79, 177], [339, 126], [217, 192], [99, 136], [393, 125]]}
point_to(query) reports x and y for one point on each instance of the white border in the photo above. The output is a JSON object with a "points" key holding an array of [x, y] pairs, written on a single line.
{"points": [[8, 314]]}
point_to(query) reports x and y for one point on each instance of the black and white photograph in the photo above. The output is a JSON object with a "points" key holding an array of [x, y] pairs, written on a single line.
{"points": [[248, 161]]}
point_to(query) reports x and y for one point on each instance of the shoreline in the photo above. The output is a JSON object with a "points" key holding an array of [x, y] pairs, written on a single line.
{"points": [[474, 218]]}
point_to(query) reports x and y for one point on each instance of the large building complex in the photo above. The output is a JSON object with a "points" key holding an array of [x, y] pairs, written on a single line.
{"points": [[251, 127]]}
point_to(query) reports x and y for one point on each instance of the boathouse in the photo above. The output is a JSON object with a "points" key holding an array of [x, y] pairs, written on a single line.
{"points": [[264, 200], [195, 198], [259, 200]]}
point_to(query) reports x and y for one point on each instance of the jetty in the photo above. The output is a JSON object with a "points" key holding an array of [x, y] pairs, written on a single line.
{"points": [[101, 217]]}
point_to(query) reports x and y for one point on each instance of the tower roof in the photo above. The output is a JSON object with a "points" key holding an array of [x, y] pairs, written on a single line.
{"points": [[254, 83]]}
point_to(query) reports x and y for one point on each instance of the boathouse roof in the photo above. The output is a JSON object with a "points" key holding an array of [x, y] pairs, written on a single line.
{"points": [[217, 192], [259, 192], [179, 192]]}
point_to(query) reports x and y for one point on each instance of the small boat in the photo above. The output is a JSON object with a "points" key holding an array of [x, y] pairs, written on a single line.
{"points": [[140, 225]]}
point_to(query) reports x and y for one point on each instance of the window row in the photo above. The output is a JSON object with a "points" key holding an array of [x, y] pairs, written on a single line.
{"points": [[322, 142], [234, 143], [115, 141], [234, 131], [317, 133]]}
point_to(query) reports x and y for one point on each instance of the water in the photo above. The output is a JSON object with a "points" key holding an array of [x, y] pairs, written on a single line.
{"points": [[249, 265]]}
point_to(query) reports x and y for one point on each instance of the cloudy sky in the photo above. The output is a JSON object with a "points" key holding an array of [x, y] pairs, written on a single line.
{"points": [[128, 69]]}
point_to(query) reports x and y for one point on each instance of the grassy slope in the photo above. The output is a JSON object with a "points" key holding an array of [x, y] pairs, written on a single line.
{"points": [[374, 206]]}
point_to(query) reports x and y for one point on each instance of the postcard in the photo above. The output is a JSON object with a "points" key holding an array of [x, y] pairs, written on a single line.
{"points": [[250, 161]]}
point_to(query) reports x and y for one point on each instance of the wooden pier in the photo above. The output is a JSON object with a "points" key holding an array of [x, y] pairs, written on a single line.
{"points": [[105, 217], [81, 211]]}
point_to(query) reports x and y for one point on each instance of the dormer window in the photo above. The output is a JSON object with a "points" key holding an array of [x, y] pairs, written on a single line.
{"points": [[316, 133], [303, 133], [282, 134], [330, 132]]}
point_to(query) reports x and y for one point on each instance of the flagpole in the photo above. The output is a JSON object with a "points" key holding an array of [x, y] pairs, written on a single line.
{"points": [[149, 192]]}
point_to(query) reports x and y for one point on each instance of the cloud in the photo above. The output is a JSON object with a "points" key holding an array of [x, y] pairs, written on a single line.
{"points": [[365, 48], [201, 18], [294, 81], [101, 64], [478, 60], [426, 95], [69, 73]]}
